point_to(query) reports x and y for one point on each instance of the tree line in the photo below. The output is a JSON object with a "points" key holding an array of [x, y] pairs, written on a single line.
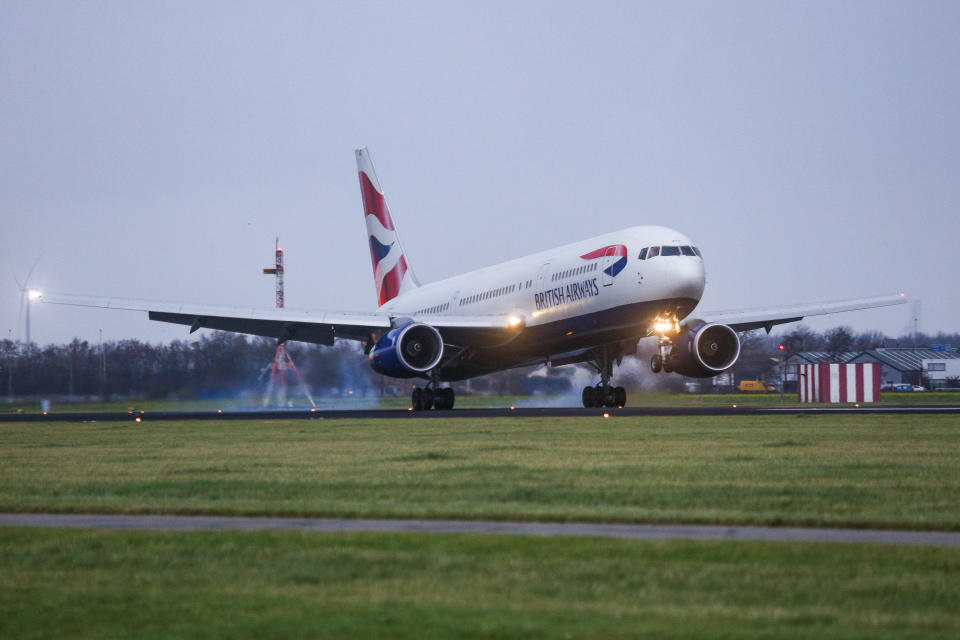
{"points": [[220, 364], [217, 364]]}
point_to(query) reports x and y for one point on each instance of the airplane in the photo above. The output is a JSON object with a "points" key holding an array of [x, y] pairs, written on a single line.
{"points": [[590, 301]]}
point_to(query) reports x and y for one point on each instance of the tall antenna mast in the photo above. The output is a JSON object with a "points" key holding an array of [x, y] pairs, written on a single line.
{"points": [[277, 271], [282, 362]]}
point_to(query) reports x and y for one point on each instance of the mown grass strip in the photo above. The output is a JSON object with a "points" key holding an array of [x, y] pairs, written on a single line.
{"points": [[75, 583], [847, 471]]}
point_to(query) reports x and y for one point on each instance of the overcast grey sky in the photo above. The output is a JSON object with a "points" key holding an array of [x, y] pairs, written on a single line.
{"points": [[153, 150]]}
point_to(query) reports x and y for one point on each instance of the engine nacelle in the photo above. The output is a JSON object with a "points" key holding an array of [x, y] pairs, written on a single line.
{"points": [[408, 351], [705, 351]]}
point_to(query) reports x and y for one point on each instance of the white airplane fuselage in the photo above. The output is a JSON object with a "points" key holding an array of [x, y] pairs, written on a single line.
{"points": [[573, 297]]}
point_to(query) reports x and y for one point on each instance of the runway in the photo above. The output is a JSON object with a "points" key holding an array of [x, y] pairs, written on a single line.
{"points": [[504, 412], [337, 525]]}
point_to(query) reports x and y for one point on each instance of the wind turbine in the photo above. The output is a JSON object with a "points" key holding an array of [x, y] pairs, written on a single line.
{"points": [[26, 295]]}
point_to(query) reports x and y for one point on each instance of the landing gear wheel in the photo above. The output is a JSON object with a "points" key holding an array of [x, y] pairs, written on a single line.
{"points": [[610, 397], [450, 396], [416, 399], [443, 399], [666, 367], [656, 363], [620, 394], [428, 398], [588, 397]]}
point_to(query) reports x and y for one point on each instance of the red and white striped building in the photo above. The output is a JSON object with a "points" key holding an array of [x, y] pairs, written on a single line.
{"points": [[858, 382]]}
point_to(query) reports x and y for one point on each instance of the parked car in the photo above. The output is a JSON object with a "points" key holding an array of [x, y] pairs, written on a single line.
{"points": [[918, 388]]}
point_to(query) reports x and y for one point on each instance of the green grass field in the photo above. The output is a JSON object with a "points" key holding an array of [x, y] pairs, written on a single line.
{"points": [[853, 471], [862, 470], [96, 584]]}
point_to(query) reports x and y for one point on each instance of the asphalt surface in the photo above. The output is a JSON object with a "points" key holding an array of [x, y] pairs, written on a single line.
{"points": [[333, 525], [520, 412]]}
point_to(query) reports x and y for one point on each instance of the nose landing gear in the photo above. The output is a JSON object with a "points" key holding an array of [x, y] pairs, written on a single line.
{"points": [[661, 360]]}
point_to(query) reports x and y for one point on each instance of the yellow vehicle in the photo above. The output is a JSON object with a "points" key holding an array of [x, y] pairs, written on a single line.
{"points": [[755, 385]]}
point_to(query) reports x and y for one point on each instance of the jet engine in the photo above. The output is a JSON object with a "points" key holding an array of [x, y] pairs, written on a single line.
{"points": [[705, 351], [408, 351]]}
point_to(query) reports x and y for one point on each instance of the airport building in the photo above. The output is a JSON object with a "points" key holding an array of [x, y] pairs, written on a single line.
{"points": [[942, 373], [903, 366], [899, 365], [811, 357]]}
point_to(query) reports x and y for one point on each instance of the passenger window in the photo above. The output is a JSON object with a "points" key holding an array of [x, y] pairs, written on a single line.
{"points": [[687, 251], [643, 253], [669, 251], [654, 252]]}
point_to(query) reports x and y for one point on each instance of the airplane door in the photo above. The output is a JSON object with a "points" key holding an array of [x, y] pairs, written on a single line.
{"points": [[542, 276], [609, 257]]}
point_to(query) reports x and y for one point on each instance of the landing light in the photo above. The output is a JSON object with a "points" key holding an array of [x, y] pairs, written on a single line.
{"points": [[33, 294], [515, 321], [663, 326]]}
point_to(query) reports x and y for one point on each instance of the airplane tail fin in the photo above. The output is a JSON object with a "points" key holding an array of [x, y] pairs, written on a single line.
{"points": [[391, 272]]}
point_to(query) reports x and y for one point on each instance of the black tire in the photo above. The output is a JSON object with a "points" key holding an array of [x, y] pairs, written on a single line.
{"points": [[656, 363], [428, 398], [443, 400], [620, 394], [416, 399], [451, 397], [611, 397], [667, 368], [587, 397], [598, 396]]}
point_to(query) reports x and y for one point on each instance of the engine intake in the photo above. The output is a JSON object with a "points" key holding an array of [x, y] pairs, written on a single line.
{"points": [[408, 351], [705, 351]]}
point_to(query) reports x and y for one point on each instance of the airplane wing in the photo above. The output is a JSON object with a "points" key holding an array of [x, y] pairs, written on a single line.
{"points": [[766, 318], [318, 327]]}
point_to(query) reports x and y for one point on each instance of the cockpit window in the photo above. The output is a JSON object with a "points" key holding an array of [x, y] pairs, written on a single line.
{"points": [[643, 253], [687, 251], [654, 252], [669, 251], [697, 251]]}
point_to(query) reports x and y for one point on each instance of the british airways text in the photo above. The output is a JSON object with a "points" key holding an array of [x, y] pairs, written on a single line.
{"points": [[570, 293]]}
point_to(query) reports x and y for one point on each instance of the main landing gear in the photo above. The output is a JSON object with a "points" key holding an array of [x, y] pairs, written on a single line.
{"points": [[604, 395], [432, 397]]}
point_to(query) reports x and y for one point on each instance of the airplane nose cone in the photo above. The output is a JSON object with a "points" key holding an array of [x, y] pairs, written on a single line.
{"points": [[687, 278]]}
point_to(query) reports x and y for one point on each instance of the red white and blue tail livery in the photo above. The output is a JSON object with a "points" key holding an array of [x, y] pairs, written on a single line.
{"points": [[589, 301], [391, 272]]}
